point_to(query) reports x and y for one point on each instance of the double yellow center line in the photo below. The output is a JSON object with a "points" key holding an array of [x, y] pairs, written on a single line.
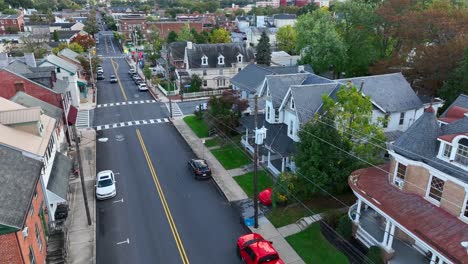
{"points": [[118, 79], [167, 211]]}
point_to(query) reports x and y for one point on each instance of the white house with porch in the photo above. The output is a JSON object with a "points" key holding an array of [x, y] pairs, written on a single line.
{"points": [[416, 208]]}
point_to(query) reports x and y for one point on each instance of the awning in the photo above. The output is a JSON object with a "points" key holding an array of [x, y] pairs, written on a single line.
{"points": [[72, 115], [58, 181], [82, 82]]}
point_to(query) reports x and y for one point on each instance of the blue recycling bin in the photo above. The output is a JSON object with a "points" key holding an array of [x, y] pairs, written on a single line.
{"points": [[249, 221]]}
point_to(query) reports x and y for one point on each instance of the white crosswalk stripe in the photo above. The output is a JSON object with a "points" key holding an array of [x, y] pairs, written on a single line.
{"points": [[132, 123], [128, 103], [175, 109], [82, 118]]}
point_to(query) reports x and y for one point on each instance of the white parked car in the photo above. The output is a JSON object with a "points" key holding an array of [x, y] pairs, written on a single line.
{"points": [[201, 107], [105, 185], [142, 87]]}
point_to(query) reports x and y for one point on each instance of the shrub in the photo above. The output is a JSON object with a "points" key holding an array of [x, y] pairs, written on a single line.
{"points": [[332, 217], [198, 114], [345, 227], [375, 255]]}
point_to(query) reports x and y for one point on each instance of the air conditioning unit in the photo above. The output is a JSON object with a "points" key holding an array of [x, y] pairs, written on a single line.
{"points": [[25, 232], [399, 182]]}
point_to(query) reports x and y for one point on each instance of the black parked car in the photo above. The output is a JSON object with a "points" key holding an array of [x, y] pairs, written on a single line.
{"points": [[200, 168]]}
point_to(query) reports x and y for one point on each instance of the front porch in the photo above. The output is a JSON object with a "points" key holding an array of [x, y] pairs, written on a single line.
{"points": [[373, 230]]}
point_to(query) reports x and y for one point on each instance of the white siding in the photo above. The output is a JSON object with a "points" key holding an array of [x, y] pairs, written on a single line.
{"points": [[72, 82]]}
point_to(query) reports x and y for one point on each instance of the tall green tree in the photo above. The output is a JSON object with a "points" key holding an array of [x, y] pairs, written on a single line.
{"points": [[56, 36], [225, 111], [185, 34], [319, 42], [202, 37], [263, 50], [172, 37], [76, 47], [457, 83], [220, 35], [91, 25], [286, 37], [352, 112], [155, 44], [320, 158]]}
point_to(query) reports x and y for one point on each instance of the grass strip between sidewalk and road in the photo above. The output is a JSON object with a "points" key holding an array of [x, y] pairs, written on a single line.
{"points": [[246, 182], [312, 247], [198, 126]]}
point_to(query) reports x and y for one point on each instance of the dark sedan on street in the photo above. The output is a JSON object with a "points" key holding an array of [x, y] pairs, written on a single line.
{"points": [[200, 168]]}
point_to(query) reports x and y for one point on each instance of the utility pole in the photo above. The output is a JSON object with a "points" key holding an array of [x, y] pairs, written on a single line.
{"points": [[255, 172], [80, 166], [170, 104]]}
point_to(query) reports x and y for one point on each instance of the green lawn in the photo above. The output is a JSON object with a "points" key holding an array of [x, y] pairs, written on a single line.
{"points": [[231, 157], [212, 142], [285, 215], [314, 248], [246, 182], [197, 125]]}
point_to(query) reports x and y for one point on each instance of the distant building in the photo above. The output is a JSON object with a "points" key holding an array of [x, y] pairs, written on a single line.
{"points": [[253, 35], [168, 26], [129, 23], [272, 3], [281, 20], [10, 24]]}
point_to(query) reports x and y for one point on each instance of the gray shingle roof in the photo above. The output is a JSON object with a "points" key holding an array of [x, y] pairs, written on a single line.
{"points": [[391, 92], [59, 62], [461, 101], [279, 85], [284, 16], [69, 54], [65, 34], [253, 75], [177, 50], [420, 143], [19, 176], [58, 182], [308, 98], [29, 101], [213, 51]]}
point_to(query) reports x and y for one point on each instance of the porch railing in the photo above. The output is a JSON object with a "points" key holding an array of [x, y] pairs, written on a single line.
{"points": [[273, 169], [245, 142]]}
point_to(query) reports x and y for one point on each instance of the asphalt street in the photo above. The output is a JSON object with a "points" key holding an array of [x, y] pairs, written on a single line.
{"points": [[161, 214]]}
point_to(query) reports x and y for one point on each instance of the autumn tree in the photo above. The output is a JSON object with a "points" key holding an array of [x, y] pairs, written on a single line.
{"points": [[286, 38], [76, 47], [220, 35], [225, 111], [352, 112], [263, 50], [85, 41], [457, 83], [84, 61]]}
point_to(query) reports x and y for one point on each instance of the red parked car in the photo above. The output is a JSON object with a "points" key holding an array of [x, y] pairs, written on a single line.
{"points": [[265, 196], [254, 249]]}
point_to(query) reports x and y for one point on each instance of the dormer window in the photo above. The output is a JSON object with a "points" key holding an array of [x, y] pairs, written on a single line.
{"points": [[221, 60], [239, 58], [461, 157], [204, 60], [447, 151]]}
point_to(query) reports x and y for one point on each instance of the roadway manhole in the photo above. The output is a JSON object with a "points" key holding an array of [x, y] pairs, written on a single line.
{"points": [[136, 95], [119, 137]]}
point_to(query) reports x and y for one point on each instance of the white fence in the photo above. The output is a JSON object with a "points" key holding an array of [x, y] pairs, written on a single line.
{"points": [[166, 93], [202, 94]]}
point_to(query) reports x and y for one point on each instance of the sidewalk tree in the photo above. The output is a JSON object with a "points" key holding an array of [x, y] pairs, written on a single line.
{"points": [[172, 37], [91, 26], [327, 167], [263, 50], [147, 72], [352, 112], [220, 35], [85, 41], [320, 43], [84, 61], [225, 111], [287, 38]]}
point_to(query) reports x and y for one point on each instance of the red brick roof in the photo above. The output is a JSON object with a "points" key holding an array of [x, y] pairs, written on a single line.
{"points": [[449, 138], [453, 114], [439, 229]]}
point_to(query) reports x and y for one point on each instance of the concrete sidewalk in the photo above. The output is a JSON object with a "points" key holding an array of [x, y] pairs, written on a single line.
{"points": [[81, 242], [234, 192]]}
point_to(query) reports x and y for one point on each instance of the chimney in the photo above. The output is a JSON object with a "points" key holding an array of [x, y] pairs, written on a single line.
{"points": [[19, 86], [30, 60], [189, 45], [300, 68]]}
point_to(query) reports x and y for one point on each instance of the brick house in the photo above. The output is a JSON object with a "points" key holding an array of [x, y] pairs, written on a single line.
{"points": [[165, 27], [23, 221], [416, 208], [11, 24], [127, 24]]}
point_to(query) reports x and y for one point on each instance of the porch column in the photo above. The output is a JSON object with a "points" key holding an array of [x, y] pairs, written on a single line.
{"points": [[392, 235], [246, 135], [385, 238], [358, 211], [282, 164], [433, 258], [269, 157]]}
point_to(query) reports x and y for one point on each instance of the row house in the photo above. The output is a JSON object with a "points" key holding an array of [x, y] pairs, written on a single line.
{"points": [[36, 135], [164, 27], [416, 208], [215, 64], [128, 24], [23, 217], [10, 24], [291, 100]]}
